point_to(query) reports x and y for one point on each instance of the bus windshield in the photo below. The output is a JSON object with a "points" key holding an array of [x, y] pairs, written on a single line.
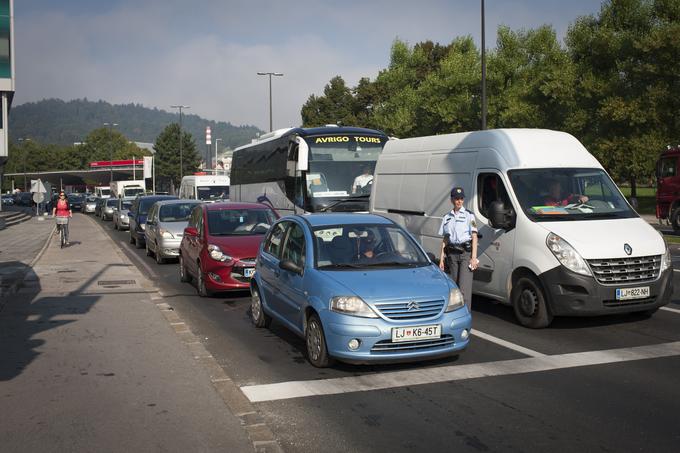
{"points": [[341, 166], [558, 194]]}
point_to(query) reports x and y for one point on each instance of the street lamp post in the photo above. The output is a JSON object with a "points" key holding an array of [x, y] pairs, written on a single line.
{"points": [[216, 140], [111, 126], [181, 161], [23, 156], [483, 71], [270, 74]]}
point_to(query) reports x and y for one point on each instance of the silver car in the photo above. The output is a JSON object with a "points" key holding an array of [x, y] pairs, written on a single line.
{"points": [[89, 204], [108, 207], [165, 225], [121, 220]]}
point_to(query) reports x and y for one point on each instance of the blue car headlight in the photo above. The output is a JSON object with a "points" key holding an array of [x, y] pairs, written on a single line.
{"points": [[456, 300], [353, 306]]}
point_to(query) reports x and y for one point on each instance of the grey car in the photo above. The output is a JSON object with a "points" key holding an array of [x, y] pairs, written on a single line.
{"points": [[107, 208], [89, 204], [121, 219], [165, 226]]}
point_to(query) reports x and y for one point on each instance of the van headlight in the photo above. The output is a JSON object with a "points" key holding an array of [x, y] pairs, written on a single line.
{"points": [[567, 255], [352, 305], [666, 262], [456, 300], [216, 253]]}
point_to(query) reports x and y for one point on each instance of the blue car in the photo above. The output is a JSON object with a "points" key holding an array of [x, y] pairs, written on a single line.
{"points": [[359, 289]]}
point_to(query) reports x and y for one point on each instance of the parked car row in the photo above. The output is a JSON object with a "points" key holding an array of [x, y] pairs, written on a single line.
{"points": [[356, 287]]}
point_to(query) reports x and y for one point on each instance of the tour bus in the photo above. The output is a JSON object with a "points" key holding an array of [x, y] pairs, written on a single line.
{"points": [[308, 169], [205, 187], [557, 235]]}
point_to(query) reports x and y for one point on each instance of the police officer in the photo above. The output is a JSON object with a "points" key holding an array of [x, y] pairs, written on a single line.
{"points": [[459, 230]]}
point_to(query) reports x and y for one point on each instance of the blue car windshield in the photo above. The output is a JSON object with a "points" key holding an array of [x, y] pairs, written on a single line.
{"points": [[342, 247]]}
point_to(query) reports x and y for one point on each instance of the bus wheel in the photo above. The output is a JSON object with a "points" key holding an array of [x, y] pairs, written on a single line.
{"points": [[529, 303]]}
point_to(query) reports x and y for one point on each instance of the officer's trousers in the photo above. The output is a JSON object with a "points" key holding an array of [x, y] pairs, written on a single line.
{"points": [[461, 274]]}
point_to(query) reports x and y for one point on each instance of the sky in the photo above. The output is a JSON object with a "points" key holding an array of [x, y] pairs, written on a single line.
{"points": [[206, 53]]}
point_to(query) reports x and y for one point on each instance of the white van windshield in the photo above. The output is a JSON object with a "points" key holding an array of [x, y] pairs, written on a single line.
{"points": [[212, 192], [557, 194]]}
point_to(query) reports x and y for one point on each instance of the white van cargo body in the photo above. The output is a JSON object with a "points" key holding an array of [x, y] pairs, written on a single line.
{"points": [[205, 187], [557, 236]]}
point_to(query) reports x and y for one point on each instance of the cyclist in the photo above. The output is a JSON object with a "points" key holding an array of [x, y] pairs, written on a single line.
{"points": [[62, 209]]}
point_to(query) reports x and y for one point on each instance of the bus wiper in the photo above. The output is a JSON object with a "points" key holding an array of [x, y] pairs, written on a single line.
{"points": [[338, 202]]}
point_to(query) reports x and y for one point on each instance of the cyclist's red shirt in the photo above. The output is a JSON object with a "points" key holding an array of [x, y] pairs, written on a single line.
{"points": [[62, 208]]}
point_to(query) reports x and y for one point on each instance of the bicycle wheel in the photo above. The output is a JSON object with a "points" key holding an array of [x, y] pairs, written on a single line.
{"points": [[63, 235]]}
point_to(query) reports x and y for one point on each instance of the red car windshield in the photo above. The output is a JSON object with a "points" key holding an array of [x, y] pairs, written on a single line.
{"points": [[239, 222]]}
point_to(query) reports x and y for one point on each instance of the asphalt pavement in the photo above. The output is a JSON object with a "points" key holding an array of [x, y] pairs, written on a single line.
{"points": [[604, 383], [91, 359]]}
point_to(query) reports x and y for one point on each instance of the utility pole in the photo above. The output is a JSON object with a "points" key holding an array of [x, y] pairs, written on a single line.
{"points": [[270, 74], [216, 140], [483, 72], [181, 161], [110, 125], [24, 151]]}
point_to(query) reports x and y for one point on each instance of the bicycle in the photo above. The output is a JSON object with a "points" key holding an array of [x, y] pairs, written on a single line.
{"points": [[61, 221]]}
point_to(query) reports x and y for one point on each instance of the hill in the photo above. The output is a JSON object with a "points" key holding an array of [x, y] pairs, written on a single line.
{"points": [[66, 122]]}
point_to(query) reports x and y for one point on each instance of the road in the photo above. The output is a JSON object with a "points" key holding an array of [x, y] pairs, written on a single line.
{"points": [[606, 383]]}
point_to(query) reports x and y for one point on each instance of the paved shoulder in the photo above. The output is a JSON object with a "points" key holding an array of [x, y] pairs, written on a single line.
{"points": [[89, 362]]}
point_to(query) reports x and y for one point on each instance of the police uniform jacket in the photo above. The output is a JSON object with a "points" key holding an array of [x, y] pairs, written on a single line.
{"points": [[459, 226]]}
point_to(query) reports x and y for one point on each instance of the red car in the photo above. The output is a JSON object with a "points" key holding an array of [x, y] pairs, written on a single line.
{"points": [[220, 245]]}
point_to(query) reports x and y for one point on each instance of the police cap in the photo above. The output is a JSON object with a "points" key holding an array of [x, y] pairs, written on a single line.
{"points": [[457, 192]]}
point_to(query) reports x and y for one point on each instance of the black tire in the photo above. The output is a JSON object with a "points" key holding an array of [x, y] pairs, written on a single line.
{"points": [[675, 219], [202, 290], [315, 340], [530, 303], [257, 314], [159, 257], [148, 250], [183, 274], [138, 243]]}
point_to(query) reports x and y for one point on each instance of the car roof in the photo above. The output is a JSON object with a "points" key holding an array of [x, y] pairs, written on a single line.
{"points": [[234, 205], [342, 219]]}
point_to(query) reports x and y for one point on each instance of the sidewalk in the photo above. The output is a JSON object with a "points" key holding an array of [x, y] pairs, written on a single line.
{"points": [[89, 363], [19, 247]]}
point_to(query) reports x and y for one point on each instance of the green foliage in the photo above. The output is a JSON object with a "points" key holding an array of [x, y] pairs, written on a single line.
{"points": [[168, 156], [64, 123]]}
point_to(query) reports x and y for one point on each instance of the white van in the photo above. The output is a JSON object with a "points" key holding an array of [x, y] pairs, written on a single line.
{"points": [[102, 191], [582, 252], [205, 187]]}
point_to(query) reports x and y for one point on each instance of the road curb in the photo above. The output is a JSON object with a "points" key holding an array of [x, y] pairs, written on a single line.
{"points": [[259, 432], [18, 283]]}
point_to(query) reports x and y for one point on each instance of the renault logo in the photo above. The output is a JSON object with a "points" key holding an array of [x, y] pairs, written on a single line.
{"points": [[628, 249], [412, 305]]}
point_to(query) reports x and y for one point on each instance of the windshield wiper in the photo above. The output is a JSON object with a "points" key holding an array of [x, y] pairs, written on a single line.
{"points": [[338, 202], [391, 263], [341, 266]]}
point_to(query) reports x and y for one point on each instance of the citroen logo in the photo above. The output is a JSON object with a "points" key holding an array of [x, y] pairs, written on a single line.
{"points": [[412, 305], [628, 249]]}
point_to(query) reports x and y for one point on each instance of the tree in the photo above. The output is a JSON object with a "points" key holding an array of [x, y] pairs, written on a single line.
{"points": [[336, 106], [168, 157]]}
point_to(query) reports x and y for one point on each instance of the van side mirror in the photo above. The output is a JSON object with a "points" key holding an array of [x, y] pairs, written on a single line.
{"points": [[288, 265], [500, 216]]}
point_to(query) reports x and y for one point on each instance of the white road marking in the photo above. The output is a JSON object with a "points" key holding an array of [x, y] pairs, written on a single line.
{"points": [[299, 389], [674, 310], [676, 270], [507, 344]]}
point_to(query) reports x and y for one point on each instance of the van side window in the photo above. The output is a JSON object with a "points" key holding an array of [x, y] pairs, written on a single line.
{"points": [[490, 188], [667, 167]]}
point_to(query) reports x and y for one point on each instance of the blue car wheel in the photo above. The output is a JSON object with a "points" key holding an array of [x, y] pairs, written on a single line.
{"points": [[257, 314], [317, 352]]}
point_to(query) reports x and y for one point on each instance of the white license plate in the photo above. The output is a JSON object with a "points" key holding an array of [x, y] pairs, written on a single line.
{"points": [[416, 333], [632, 293], [248, 272]]}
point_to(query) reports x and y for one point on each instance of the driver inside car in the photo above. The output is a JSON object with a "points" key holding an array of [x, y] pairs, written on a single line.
{"points": [[556, 198]]}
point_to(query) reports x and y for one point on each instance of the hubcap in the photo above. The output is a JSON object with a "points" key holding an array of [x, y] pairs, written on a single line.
{"points": [[181, 267], [314, 341], [255, 305], [528, 302]]}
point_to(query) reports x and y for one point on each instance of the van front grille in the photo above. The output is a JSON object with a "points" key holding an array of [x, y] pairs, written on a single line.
{"points": [[616, 271]]}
